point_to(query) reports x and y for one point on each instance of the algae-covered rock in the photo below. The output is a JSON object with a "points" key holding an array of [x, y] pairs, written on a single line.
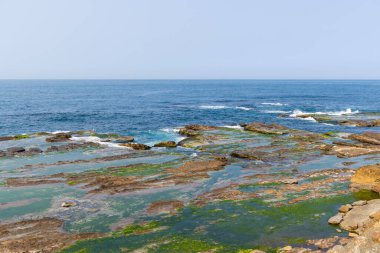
{"points": [[165, 207], [59, 137], [360, 123]]}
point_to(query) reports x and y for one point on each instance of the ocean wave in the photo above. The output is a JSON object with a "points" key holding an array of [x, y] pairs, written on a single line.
{"points": [[213, 107], [272, 103], [234, 127], [174, 131], [59, 131], [96, 140], [243, 108], [170, 130], [276, 111], [348, 111], [219, 107]]}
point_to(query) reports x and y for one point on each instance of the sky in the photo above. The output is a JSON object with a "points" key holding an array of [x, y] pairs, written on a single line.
{"points": [[195, 39]]}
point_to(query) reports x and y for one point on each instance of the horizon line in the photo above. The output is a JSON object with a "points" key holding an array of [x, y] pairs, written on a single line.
{"points": [[186, 79]]}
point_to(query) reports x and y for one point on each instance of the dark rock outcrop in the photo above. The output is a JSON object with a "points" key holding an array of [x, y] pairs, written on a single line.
{"points": [[136, 146], [266, 128], [59, 137], [166, 144]]}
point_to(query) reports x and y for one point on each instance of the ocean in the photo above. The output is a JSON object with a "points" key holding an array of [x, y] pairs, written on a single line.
{"points": [[151, 109], [217, 189]]}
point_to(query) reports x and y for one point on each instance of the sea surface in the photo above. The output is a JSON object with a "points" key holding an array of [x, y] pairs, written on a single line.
{"points": [[151, 109], [235, 207]]}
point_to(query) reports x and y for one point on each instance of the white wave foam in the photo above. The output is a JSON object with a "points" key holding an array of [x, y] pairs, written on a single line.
{"points": [[276, 111], [96, 140], [348, 111], [296, 113], [309, 119], [170, 130], [275, 104], [234, 127], [243, 108], [213, 107], [340, 113], [59, 131], [219, 107]]}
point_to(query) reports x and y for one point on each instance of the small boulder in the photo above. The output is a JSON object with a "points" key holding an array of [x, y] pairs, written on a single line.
{"points": [[69, 203], [336, 219], [345, 208]]}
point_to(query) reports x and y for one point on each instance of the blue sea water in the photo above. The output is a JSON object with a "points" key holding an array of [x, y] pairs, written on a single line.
{"points": [[149, 109]]}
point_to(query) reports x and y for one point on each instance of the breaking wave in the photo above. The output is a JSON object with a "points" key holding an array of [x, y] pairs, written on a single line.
{"points": [[219, 107], [348, 111]]}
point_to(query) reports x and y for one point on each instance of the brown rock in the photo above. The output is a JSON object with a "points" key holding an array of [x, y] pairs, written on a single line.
{"points": [[136, 146], [193, 130], [367, 177], [59, 137], [375, 216], [367, 137], [376, 236], [165, 206], [166, 144], [266, 128], [345, 208], [336, 219], [42, 235]]}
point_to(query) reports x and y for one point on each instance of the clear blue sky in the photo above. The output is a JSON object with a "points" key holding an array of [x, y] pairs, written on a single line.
{"points": [[190, 39]]}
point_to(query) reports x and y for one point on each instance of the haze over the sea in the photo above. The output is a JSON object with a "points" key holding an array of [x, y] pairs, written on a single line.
{"points": [[197, 39]]}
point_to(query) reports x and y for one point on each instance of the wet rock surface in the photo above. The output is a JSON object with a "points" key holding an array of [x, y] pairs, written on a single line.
{"points": [[41, 235], [166, 144], [277, 186], [266, 128], [59, 137]]}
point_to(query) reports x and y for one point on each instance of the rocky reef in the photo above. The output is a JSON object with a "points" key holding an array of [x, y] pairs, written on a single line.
{"points": [[252, 188]]}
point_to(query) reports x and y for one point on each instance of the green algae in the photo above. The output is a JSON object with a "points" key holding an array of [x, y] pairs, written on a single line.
{"points": [[98, 223], [366, 195], [187, 245], [22, 136], [72, 182]]}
